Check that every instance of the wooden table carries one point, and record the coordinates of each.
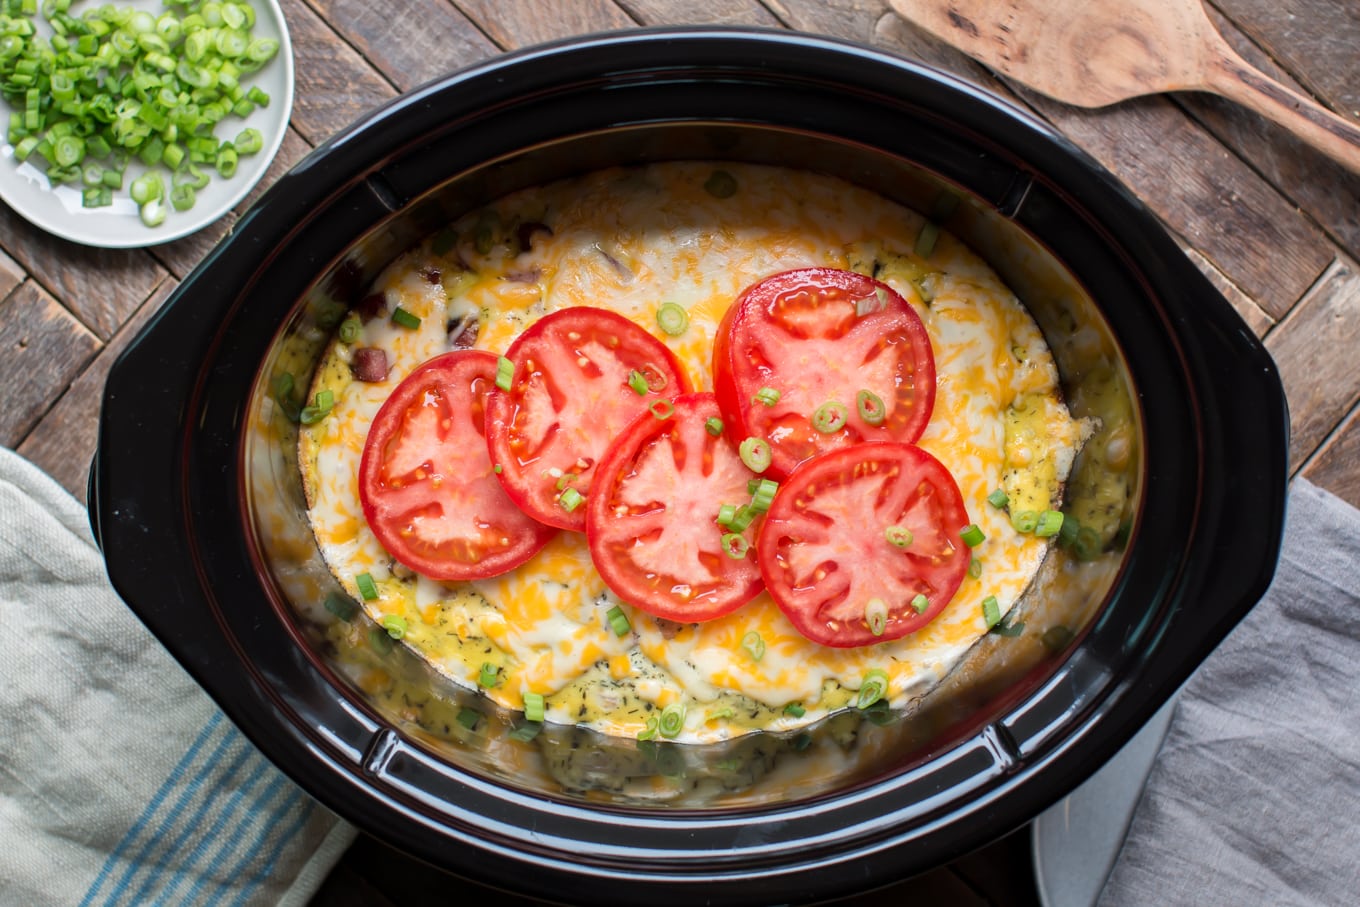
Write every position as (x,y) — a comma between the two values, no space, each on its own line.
(1274,225)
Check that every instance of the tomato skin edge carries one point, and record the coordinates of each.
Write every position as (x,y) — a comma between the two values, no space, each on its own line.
(792,487)
(386,421)
(499,406)
(752,304)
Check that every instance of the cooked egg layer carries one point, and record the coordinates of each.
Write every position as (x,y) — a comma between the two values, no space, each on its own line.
(630,240)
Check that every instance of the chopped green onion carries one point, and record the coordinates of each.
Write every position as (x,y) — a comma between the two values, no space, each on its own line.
(672,720)
(319,409)
(991,611)
(342,606)
(763,495)
(637,382)
(745,515)
(367,588)
(182,197)
(919,603)
(872,688)
(926,239)
(972,536)
(1011,629)
(350,328)
(756,454)
(1067,532)
(795,710)
(870,407)
(1088,544)
(394,624)
(527,731)
(405,319)
(490,675)
(618,621)
(735,546)
(1050,523)
(535,706)
(505,373)
(998,498)
(249,141)
(662,409)
(830,416)
(900,536)
(152,213)
(754,645)
(876,615)
(570,499)
(726,514)
(975,568)
(496,469)
(721,184)
(714,426)
(1025,520)
(719,714)
(567,479)
(672,318)
(1057,638)
(468,718)
(650,731)
(379,641)
(766,395)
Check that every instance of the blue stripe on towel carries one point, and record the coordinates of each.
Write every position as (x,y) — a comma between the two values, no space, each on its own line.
(233,846)
(193,867)
(208,768)
(170,856)
(262,872)
(168,785)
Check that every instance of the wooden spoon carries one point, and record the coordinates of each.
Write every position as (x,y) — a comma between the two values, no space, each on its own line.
(1096,52)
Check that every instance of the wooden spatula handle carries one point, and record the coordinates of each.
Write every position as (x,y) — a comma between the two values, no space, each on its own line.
(1235,78)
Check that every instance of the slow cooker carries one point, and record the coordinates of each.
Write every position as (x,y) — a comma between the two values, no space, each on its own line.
(199,512)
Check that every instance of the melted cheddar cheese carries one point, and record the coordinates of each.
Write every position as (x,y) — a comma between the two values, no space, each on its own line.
(630,240)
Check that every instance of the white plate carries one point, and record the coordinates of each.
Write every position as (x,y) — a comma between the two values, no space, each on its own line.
(1076,841)
(25,188)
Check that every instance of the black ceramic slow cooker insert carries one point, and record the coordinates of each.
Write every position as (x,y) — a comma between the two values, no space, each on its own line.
(199,510)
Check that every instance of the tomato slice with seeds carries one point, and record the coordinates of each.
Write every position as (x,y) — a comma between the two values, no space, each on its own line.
(570,395)
(426,481)
(825,554)
(819,337)
(652,514)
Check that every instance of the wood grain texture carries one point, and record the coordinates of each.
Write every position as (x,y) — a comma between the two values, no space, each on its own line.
(854,20)
(1251,313)
(1204,192)
(526,22)
(699,12)
(429,38)
(1315,40)
(42,349)
(11,275)
(63,442)
(1314,349)
(1334,467)
(101,287)
(1325,190)
(334,84)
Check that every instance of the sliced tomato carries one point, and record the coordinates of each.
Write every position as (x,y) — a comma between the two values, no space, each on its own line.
(825,554)
(652,516)
(569,397)
(820,336)
(426,482)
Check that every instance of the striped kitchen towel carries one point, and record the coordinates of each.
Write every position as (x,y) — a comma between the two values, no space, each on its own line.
(120,782)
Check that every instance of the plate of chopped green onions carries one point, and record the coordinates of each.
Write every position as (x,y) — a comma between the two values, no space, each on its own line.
(138,122)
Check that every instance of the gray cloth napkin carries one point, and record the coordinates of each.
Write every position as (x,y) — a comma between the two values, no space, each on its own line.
(120,781)
(1255,794)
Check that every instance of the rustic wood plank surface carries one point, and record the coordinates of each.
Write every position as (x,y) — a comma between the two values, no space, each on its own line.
(1274,225)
